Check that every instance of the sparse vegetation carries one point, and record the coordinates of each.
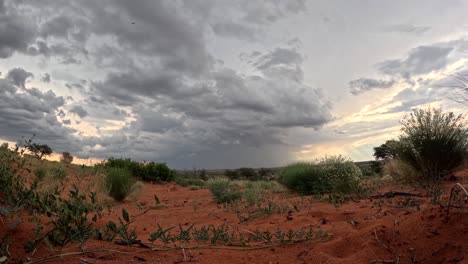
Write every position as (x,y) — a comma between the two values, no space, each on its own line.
(118,183)
(224,190)
(151,171)
(330,174)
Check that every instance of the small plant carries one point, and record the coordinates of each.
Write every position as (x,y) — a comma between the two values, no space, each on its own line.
(224,191)
(118,183)
(40,173)
(58,172)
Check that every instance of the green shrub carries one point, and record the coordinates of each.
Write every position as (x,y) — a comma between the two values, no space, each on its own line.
(342,174)
(232,174)
(224,190)
(433,142)
(304,178)
(145,171)
(248,173)
(331,174)
(118,183)
(157,172)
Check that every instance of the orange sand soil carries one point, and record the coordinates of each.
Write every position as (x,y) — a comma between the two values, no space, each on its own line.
(362,232)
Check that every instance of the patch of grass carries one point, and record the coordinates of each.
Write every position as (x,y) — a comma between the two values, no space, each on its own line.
(186,181)
(40,173)
(400,171)
(58,172)
(224,190)
(118,183)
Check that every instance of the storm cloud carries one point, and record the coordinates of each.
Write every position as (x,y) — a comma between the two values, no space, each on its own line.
(214,84)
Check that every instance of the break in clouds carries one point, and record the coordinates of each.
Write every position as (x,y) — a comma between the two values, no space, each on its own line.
(214,84)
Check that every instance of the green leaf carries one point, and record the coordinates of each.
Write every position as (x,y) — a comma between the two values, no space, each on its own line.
(125,215)
(156,199)
(3,259)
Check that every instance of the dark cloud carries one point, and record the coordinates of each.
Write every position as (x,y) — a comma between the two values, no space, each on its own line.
(16,32)
(362,85)
(58,26)
(157,85)
(28,111)
(155,122)
(235,30)
(79,111)
(266,12)
(407,29)
(18,76)
(422,59)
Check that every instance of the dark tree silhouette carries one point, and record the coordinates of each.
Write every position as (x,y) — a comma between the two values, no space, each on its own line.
(39,150)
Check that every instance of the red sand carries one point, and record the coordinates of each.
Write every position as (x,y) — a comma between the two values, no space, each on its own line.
(362,233)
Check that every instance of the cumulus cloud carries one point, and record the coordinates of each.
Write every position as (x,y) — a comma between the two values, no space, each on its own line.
(422,59)
(18,76)
(79,111)
(28,111)
(17,33)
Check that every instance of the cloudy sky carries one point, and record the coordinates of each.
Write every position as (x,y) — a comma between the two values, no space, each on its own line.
(224,84)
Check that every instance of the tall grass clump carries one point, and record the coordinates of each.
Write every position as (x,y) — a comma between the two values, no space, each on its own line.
(433,142)
(330,174)
(224,190)
(118,183)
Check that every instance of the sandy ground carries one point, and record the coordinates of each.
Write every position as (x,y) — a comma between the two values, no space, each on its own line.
(362,232)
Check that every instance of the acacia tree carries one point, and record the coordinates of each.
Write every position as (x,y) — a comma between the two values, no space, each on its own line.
(39,150)
(388,150)
(66,158)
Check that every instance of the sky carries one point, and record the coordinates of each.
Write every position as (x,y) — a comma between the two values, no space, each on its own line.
(224,84)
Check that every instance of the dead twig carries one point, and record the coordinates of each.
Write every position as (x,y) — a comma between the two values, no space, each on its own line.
(393,194)
(457,187)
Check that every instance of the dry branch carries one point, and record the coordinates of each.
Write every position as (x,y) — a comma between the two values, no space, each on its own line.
(393,194)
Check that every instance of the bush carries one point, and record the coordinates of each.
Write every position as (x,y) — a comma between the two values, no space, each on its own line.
(232,174)
(118,183)
(331,174)
(248,173)
(224,191)
(145,171)
(433,142)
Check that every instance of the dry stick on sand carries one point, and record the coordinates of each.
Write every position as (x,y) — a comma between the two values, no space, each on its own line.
(393,194)
(147,250)
(461,189)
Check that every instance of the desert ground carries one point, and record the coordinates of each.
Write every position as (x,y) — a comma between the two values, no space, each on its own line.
(399,229)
